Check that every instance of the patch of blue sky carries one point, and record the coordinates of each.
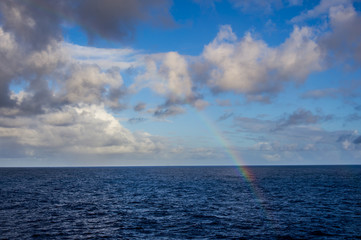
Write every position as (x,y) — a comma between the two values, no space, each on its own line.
(18,86)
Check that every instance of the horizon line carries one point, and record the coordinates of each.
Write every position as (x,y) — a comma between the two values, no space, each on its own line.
(125,166)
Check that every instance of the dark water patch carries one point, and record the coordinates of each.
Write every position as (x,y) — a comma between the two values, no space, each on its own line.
(318,202)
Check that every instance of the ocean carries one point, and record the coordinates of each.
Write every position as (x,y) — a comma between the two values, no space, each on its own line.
(278,202)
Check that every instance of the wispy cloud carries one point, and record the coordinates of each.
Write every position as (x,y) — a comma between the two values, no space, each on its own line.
(225,116)
(140,107)
(136,120)
(302,117)
(163,112)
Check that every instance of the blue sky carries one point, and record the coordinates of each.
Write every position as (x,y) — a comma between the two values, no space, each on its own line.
(196,82)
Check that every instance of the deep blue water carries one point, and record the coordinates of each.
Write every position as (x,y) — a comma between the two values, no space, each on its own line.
(308,202)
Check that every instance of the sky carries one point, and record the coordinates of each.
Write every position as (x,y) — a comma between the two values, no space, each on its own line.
(182,82)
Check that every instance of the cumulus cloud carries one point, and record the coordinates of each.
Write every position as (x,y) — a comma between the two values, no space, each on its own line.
(55,74)
(82,129)
(38,21)
(343,43)
(54,95)
(167,74)
(30,24)
(114,19)
(249,66)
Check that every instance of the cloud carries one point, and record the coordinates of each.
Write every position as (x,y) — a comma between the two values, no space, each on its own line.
(321,93)
(321,9)
(140,107)
(357,140)
(250,67)
(39,21)
(88,84)
(167,75)
(225,116)
(54,95)
(343,43)
(348,90)
(224,102)
(302,135)
(52,78)
(253,125)
(115,20)
(353,117)
(266,6)
(123,58)
(163,112)
(136,120)
(349,140)
(302,117)
(83,129)
(30,24)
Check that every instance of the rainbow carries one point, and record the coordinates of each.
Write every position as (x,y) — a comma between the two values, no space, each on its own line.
(244,171)
(235,157)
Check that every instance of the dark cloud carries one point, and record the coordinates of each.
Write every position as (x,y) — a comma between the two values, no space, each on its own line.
(353,117)
(343,43)
(116,19)
(31,53)
(163,112)
(302,117)
(347,139)
(136,120)
(357,140)
(140,107)
(225,116)
(37,22)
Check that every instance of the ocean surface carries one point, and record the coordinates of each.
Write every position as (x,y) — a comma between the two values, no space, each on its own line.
(293,202)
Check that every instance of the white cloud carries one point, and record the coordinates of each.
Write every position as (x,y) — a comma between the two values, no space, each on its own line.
(123,58)
(322,8)
(251,67)
(84,129)
(88,84)
(167,74)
